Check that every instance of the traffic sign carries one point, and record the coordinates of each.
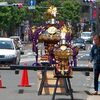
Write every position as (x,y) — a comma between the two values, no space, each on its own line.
(32,4)
(89,0)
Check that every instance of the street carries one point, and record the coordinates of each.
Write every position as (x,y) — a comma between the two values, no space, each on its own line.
(50,40)
(81,84)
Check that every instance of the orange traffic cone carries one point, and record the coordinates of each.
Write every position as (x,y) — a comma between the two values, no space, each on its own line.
(24,81)
(1,83)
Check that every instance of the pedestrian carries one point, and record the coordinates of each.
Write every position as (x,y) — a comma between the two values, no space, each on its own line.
(95,57)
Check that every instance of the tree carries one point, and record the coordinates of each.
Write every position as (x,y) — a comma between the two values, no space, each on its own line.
(5,17)
(11,17)
(17,16)
(70,11)
(67,9)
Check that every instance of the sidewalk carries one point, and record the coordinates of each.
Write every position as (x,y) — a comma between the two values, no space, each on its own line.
(93,97)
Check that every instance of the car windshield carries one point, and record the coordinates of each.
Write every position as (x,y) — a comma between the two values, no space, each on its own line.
(86,34)
(6,45)
(79,41)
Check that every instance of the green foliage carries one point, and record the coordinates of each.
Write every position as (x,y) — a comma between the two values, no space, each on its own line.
(2,0)
(67,9)
(17,16)
(98,0)
(70,10)
(11,17)
(39,12)
(5,17)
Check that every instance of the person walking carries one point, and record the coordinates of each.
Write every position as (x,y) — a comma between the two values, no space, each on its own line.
(95,57)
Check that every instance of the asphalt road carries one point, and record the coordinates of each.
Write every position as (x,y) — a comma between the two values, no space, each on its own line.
(80,83)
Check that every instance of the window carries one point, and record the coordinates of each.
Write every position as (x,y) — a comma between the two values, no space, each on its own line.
(6,45)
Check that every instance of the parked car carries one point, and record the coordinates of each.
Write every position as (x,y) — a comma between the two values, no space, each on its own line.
(80,43)
(18,43)
(87,36)
(9,53)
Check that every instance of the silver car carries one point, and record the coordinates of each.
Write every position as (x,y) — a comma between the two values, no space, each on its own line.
(80,43)
(87,36)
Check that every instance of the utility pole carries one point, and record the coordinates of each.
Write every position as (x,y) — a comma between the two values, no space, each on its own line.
(98,18)
(92,14)
(91,19)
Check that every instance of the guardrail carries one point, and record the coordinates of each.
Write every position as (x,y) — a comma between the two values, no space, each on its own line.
(35,68)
